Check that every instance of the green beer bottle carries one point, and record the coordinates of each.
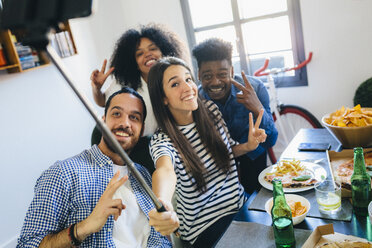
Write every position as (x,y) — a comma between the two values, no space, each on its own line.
(282,218)
(360,184)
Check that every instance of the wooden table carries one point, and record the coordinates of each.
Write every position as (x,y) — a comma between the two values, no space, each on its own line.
(358,226)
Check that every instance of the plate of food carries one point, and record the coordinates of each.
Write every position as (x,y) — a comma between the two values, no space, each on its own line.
(296,175)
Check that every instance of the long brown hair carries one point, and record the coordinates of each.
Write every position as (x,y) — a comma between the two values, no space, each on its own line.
(203,118)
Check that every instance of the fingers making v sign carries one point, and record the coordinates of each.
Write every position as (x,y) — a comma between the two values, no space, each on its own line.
(106,206)
(98,78)
(256,135)
(247,96)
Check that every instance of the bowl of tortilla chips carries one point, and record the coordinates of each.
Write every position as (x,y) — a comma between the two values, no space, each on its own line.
(299,205)
(351,126)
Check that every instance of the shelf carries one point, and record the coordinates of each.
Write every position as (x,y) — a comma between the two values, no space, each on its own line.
(36,67)
(13,59)
(14,65)
(5,67)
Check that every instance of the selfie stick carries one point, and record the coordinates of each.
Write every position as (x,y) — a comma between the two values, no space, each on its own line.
(104,129)
(17,15)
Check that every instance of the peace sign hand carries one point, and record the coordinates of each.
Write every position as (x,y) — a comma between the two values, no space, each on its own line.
(106,206)
(256,135)
(247,96)
(98,78)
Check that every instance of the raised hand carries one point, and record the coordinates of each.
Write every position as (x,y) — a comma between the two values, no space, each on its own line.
(247,96)
(256,135)
(164,222)
(98,78)
(105,207)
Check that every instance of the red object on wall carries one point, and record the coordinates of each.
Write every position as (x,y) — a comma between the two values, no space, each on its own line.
(2,57)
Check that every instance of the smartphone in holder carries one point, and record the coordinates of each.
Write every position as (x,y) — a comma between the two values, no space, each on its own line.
(314,146)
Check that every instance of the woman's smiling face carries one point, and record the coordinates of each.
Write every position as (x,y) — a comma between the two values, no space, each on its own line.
(147,53)
(180,91)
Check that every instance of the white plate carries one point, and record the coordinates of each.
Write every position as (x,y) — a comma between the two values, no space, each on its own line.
(319,173)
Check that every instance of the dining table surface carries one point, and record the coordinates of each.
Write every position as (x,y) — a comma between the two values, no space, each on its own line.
(356,225)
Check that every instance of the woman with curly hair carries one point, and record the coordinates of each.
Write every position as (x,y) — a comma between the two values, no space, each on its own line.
(194,156)
(135,52)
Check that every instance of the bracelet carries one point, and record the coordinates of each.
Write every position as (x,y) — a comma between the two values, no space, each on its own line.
(71,234)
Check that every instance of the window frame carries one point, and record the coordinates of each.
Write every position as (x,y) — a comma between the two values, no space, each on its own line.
(298,50)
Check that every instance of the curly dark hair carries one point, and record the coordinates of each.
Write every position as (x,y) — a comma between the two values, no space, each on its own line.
(211,50)
(123,58)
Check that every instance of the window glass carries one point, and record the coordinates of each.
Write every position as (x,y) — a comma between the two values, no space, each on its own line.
(225,33)
(254,8)
(267,30)
(236,64)
(210,12)
(268,35)
(277,60)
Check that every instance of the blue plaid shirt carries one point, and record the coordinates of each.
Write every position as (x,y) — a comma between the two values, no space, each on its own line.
(236,115)
(67,193)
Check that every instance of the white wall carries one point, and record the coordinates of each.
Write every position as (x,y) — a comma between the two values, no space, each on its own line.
(339,33)
(161,11)
(108,23)
(41,120)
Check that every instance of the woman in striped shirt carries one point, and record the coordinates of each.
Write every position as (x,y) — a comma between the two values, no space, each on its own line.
(194,156)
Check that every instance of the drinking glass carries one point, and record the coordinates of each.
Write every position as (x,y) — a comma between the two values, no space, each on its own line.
(328,196)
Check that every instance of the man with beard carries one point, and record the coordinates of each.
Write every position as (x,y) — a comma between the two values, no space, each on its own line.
(236,97)
(88,201)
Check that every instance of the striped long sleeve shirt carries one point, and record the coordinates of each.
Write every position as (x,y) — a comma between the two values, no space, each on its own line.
(195,210)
